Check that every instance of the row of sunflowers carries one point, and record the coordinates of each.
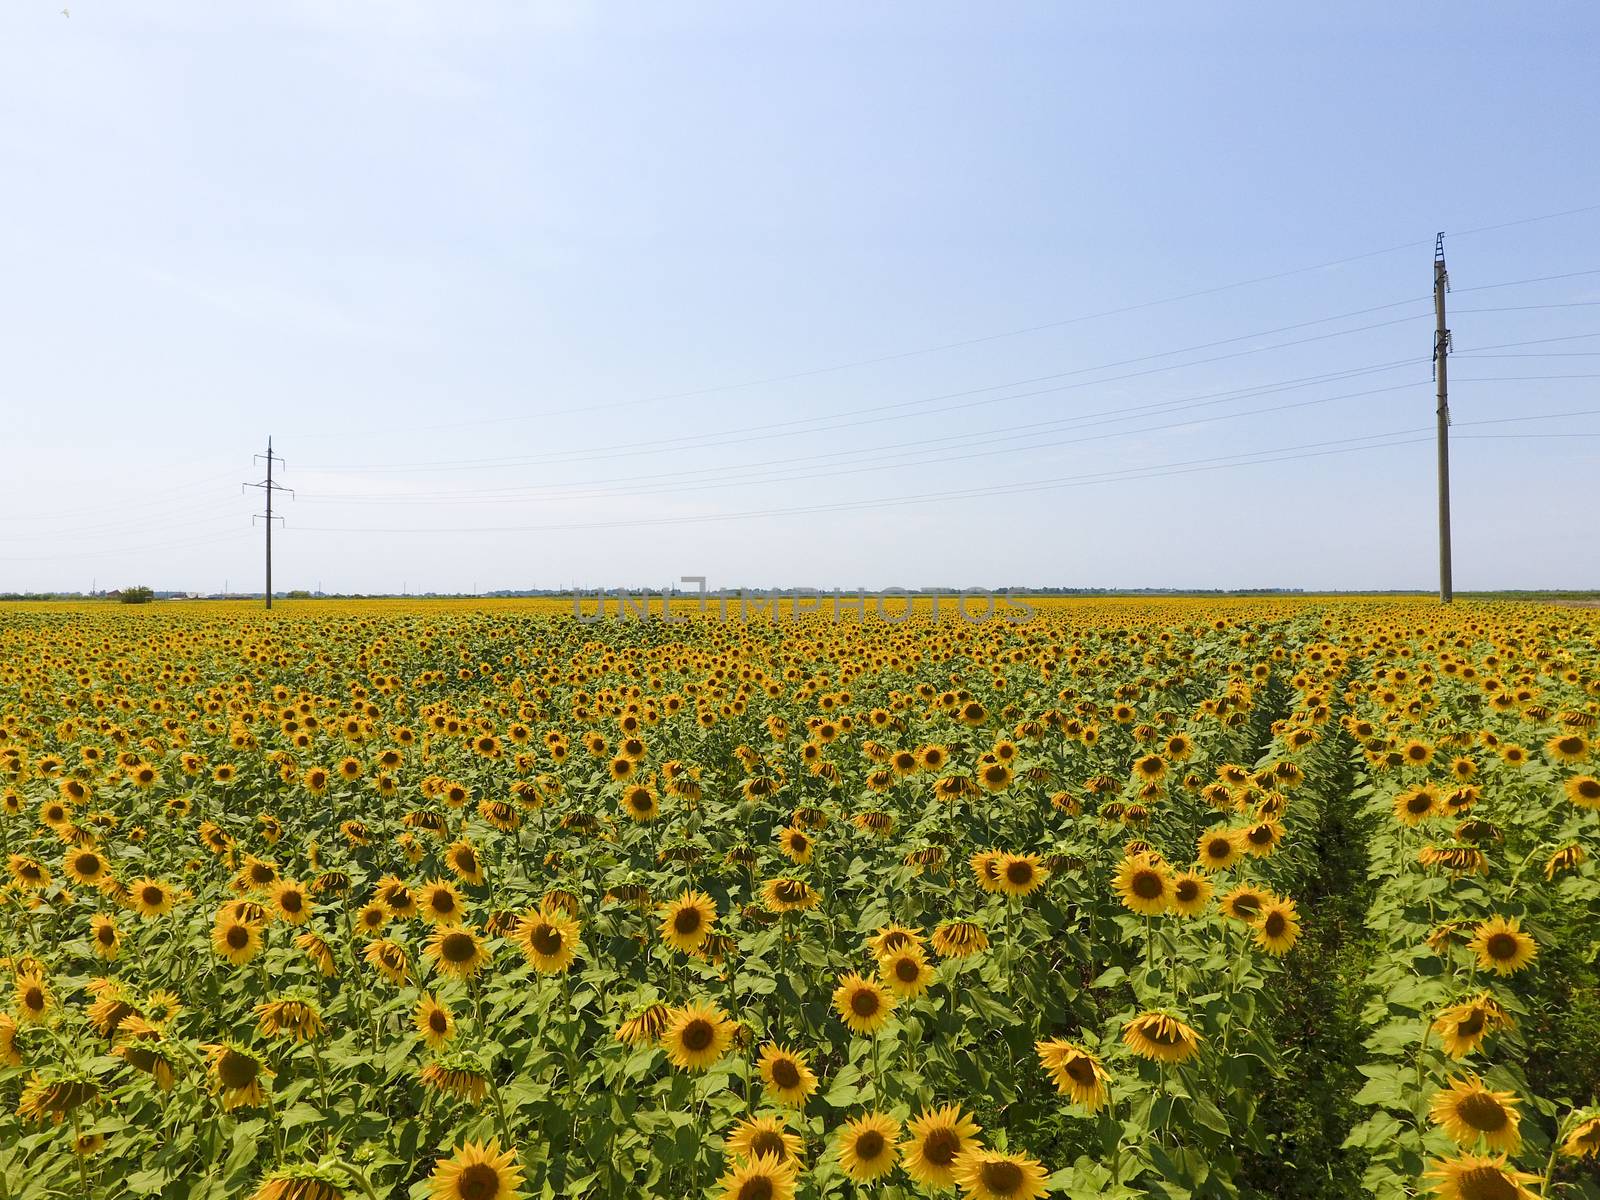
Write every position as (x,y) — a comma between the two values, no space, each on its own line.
(485,903)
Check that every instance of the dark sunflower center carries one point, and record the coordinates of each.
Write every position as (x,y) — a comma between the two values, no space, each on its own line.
(1019,873)
(1001,1178)
(466,862)
(1485,1183)
(1501,946)
(870,1145)
(940,1147)
(291,902)
(864,1003)
(1080,1070)
(1419,804)
(1246,904)
(547,940)
(480,1181)
(906,970)
(1146,885)
(1219,848)
(236,1070)
(87,864)
(107,935)
(238,937)
(1186,890)
(768,1142)
(1471,1025)
(686,921)
(458,947)
(438,1021)
(698,1035)
(1482,1111)
(33,998)
(1275,924)
(757,1187)
(785,1073)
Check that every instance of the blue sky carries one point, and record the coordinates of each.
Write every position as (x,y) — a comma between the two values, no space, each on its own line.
(560,293)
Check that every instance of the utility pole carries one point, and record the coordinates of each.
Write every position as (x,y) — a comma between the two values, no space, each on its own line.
(1441,353)
(269,487)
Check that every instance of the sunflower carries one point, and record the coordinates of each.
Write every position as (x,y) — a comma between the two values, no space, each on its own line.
(1462,1027)
(302,1181)
(30,875)
(235,940)
(396,895)
(959,939)
(435,1023)
(548,939)
(463,861)
(1568,858)
(1479,1177)
(862,1004)
(763,1177)
(1245,903)
(990,1175)
(1261,839)
(985,866)
(457,951)
(87,866)
(869,1146)
(645,1026)
(1277,926)
(104,937)
(477,1172)
(906,972)
(295,1016)
(1583,1141)
(440,903)
(55,1096)
(388,959)
(795,844)
(1502,947)
(1019,874)
(1161,1038)
(10,1056)
(456,1076)
(152,897)
(1143,884)
(372,918)
(1567,747)
(34,999)
(1468,1111)
(291,902)
(236,1075)
(640,803)
(890,938)
(1077,1072)
(788,895)
(1416,805)
(697,1035)
(1191,892)
(318,951)
(1584,791)
(935,1139)
(764,1137)
(686,922)
(787,1077)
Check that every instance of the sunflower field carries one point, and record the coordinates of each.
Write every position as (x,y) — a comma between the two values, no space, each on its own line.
(1134,898)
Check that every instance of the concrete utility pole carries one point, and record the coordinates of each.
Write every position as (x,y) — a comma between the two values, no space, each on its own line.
(269,487)
(1441,376)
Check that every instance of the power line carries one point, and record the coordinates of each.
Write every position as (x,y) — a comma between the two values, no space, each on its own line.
(1004,334)
(674,442)
(1013,432)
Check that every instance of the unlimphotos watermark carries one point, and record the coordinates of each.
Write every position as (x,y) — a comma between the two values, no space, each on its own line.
(894,605)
